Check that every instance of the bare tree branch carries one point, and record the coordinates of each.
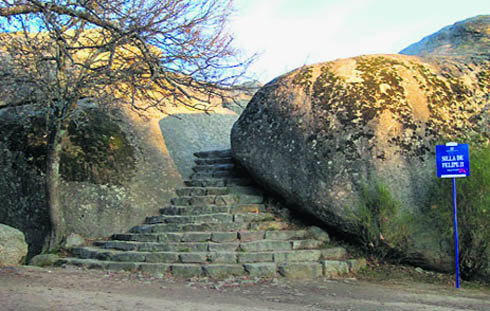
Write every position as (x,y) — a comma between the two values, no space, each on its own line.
(147,54)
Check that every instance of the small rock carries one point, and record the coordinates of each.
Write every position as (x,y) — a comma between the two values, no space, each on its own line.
(319,234)
(158,275)
(44,260)
(73,240)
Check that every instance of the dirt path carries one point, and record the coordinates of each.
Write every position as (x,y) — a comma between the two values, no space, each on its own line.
(70,288)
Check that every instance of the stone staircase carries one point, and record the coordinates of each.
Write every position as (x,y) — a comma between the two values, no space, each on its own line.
(218,226)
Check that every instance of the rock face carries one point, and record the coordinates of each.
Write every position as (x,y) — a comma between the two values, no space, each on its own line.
(187,133)
(13,247)
(470,37)
(117,167)
(333,137)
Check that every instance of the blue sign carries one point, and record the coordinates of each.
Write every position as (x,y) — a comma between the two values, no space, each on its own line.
(453,160)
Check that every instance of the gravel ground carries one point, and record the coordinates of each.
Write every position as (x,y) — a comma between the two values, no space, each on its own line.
(72,288)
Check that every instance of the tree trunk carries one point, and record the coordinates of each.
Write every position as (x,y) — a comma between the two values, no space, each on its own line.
(53,181)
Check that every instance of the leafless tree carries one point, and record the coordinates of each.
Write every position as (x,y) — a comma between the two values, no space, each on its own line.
(144,53)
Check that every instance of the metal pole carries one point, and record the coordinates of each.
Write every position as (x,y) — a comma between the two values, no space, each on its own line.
(456,232)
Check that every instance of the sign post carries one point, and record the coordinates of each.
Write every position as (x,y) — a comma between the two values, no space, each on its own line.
(455,213)
(453,161)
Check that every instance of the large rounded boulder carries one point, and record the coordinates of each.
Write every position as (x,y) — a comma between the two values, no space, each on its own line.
(351,142)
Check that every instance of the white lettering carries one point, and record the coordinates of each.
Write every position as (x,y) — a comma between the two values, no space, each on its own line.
(450,158)
(452,164)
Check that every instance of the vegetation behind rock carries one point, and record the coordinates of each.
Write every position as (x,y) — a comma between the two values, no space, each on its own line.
(473,201)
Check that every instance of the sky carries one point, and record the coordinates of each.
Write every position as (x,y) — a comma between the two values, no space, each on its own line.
(292,33)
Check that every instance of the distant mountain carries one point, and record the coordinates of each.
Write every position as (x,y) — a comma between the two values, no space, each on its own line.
(470,37)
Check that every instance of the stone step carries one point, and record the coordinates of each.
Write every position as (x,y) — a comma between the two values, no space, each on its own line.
(292,256)
(211,168)
(183,247)
(248,190)
(223,200)
(209,218)
(216,174)
(211,209)
(218,182)
(309,270)
(205,227)
(211,161)
(161,228)
(214,154)
(209,257)
(202,191)
(218,237)
(194,219)
(253,246)
(178,270)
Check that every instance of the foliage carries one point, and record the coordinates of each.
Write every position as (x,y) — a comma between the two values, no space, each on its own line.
(164,52)
(26,137)
(381,227)
(473,209)
(97,150)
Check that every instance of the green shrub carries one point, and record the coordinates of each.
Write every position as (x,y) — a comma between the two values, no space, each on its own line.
(383,229)
(473,208)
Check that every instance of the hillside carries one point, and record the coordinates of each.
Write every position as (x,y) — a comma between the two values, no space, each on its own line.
(470,37)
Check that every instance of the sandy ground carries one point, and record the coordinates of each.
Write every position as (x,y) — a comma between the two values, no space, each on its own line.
(71,288)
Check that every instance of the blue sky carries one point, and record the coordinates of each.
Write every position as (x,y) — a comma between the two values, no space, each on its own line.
(291,33)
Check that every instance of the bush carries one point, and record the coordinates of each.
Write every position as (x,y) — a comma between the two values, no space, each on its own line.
(473,207)
(382,228)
